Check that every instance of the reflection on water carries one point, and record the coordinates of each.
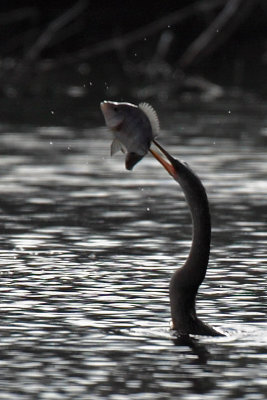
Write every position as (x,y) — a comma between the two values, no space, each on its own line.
(87,250)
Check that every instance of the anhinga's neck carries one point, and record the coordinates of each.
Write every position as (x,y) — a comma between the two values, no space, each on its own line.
(187,279)
(196,197)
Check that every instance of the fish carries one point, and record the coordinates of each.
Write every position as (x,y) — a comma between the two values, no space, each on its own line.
(133,127)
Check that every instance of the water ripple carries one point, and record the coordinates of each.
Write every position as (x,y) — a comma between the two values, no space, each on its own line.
(87,251)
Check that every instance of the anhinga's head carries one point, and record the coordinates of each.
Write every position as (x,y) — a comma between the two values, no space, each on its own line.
(172,167)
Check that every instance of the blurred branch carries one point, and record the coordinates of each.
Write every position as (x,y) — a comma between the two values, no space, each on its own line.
(49,33)
(232,15)
(120,42)
(163,46)
(74,28)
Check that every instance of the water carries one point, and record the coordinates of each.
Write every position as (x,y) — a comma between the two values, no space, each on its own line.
(87,250)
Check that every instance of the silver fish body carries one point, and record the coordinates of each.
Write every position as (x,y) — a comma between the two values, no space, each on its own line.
(133,128)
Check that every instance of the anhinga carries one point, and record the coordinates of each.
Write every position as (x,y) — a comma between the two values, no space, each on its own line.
(187,279)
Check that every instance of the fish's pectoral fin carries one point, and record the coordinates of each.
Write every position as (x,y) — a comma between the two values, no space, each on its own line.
(123,148)
(115,147)
(152,116)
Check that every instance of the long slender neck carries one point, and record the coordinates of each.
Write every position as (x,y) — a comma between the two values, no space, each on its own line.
(196,197)
(187,279)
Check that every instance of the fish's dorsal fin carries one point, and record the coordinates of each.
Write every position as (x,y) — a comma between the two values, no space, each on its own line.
(152,116)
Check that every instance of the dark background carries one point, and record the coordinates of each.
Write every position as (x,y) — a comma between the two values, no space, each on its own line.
(87,50)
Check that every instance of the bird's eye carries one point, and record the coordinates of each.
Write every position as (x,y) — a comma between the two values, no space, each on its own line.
(115,108)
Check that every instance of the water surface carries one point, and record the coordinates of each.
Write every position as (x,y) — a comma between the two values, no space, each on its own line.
(88,248)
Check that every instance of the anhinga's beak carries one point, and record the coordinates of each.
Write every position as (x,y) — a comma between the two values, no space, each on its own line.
(170,168)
